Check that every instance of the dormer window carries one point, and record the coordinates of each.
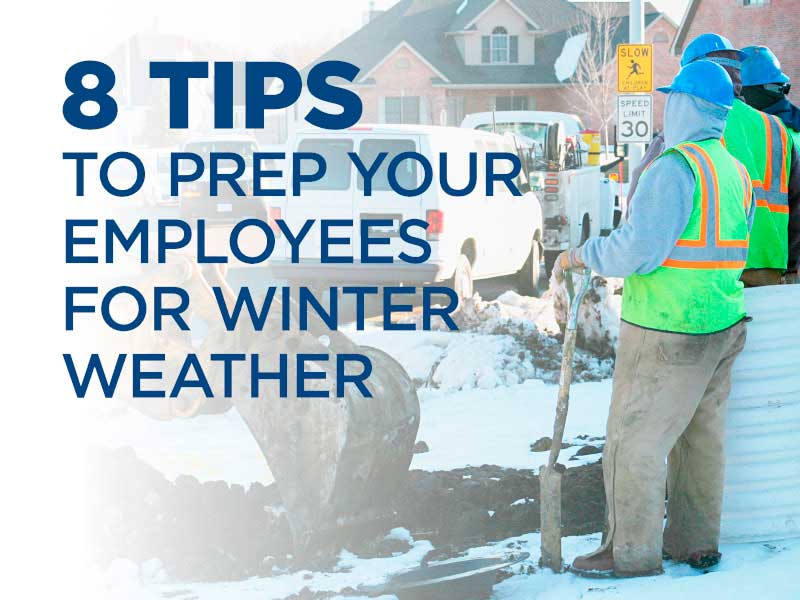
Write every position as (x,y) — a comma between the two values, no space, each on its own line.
(500,47)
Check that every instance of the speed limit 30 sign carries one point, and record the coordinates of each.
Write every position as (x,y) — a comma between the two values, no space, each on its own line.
(634,118)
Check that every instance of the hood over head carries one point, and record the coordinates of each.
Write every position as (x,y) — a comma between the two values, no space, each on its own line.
(688,118)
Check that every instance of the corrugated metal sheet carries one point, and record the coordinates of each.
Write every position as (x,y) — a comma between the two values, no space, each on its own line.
(762,479)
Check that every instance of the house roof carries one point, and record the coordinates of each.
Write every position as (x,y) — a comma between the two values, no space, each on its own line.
(548,15)
(683,28)
(424,25)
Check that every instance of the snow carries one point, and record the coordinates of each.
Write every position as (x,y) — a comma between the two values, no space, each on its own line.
(462,428)
(567,61)
(462,6)
(469,429)
(480,404)
(747,571)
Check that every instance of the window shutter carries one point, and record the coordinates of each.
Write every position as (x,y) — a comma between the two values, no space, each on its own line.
(513,49)
(485,49)
(381,109)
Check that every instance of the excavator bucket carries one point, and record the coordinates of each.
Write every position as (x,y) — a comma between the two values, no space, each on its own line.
(337,462)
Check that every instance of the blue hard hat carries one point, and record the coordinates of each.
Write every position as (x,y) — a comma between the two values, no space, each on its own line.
(706,80)
(761,66)
(705,44)
(748,51)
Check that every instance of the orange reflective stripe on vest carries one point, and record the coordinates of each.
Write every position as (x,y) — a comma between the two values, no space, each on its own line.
(774,192)
(710,250)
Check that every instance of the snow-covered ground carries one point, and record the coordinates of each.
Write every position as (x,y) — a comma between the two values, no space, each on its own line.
(481,404)
(462,428)
(747,571)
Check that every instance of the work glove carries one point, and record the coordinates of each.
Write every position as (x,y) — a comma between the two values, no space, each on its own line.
(568,259)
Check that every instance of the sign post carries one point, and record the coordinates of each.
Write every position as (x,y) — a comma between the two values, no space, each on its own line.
(636,38)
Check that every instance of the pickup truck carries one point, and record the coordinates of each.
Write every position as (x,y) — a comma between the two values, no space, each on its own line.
(578,200)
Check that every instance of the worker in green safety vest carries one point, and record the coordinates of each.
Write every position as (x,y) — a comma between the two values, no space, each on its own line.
(764,87)
(757,140)
(682,252)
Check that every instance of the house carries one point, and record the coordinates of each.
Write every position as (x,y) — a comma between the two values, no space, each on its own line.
(772,23)
(433,61)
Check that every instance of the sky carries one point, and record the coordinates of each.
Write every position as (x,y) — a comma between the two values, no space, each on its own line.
(266,22)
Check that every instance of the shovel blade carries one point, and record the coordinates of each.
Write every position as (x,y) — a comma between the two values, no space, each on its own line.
(550,516)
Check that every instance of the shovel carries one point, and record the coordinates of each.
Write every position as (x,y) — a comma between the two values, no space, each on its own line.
(550,474)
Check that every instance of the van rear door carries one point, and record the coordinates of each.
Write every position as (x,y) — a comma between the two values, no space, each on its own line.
(384,203)
(328,198)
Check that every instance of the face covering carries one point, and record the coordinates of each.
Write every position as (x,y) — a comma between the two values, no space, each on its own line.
(759,97)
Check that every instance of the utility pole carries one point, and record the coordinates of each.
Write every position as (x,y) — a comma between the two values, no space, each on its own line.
(635,36)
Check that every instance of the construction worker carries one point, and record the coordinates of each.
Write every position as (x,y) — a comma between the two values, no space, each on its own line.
(764,87)
(755,139)
(681,252)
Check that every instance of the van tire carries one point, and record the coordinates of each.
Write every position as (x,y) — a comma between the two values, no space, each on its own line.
(461,281)
(550,257)
(528,275)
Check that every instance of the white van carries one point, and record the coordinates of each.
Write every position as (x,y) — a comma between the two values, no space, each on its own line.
(471,237)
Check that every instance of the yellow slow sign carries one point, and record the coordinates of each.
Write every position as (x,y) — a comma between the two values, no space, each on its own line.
(634,68)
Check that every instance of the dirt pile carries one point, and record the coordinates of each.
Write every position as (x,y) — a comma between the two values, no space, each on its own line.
(214,531)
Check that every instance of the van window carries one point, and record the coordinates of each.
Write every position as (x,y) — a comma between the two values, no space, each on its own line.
(406,171)
(334,152)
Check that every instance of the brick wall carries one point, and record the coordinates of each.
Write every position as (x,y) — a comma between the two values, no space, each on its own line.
(403,73)
(775,24)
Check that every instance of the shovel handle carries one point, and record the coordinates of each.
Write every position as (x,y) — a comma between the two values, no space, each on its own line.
(565,378)
(575,299)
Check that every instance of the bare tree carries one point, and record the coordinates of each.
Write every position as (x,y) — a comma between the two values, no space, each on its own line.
(593,86)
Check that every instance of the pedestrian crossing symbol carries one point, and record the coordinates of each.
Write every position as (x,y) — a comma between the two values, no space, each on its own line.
(634,68)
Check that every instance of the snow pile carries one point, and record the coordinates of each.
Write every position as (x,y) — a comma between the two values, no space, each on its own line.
(524,316)
(510,312)
(567,61)
(453,362)
(506,341)
(598,318)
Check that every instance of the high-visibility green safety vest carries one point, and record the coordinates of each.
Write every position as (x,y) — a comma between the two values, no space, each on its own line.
(697,288)
(761,143)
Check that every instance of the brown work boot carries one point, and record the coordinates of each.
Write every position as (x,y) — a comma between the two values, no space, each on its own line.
(596,564)
(704,559)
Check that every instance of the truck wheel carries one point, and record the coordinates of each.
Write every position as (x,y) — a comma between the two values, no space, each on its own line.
(528,275)
(462,282)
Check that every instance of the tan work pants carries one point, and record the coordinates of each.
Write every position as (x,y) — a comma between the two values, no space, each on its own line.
(669,399)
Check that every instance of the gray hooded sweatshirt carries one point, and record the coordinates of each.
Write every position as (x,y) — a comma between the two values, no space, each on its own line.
(662,203)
